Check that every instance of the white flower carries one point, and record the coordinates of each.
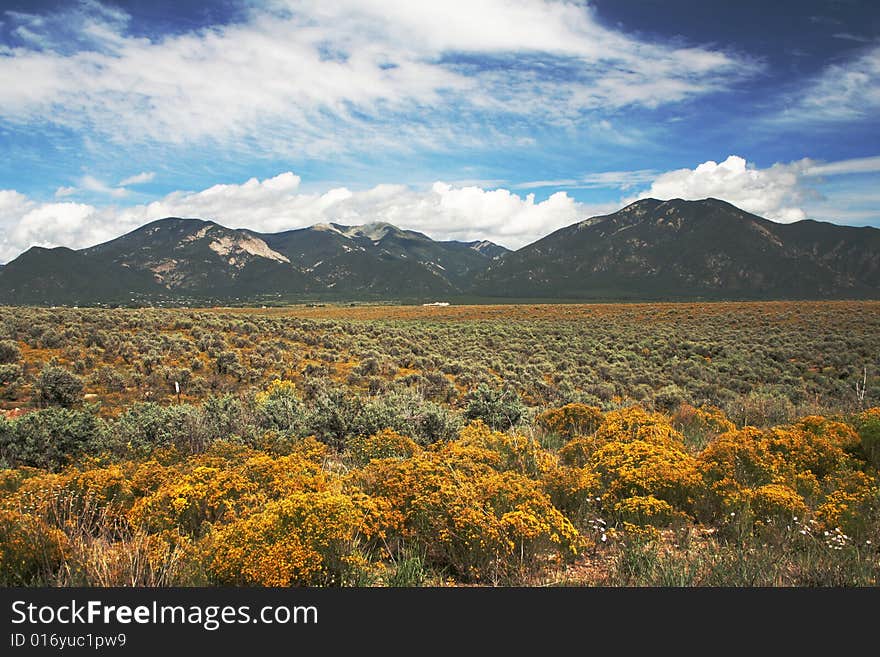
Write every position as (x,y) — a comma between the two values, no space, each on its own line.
(604,538)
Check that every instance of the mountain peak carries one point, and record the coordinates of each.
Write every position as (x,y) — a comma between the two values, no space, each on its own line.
(375,231)
(680,248)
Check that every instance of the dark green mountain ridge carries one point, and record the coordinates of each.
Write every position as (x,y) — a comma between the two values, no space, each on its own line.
(651,249)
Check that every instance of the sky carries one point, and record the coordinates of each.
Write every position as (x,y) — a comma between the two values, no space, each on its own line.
(463,119)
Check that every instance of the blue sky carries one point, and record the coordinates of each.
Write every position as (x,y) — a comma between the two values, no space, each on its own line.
(503,119)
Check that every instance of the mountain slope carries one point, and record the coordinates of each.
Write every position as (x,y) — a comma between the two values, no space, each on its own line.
(380,259)
(62,276)
(203,258)
(690,249)
(175,259)
(648,250)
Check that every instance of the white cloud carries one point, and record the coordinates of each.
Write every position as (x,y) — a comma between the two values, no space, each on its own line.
(784,192)
(841,92)
(61,192)
(442,211)
(623,180)
(312,77)
(92,184)
(26,223)
(855,165)
(138,179)
(620,179)
(538,184)
(775,193)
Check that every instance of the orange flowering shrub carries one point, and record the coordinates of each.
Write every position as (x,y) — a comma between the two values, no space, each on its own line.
(645,469)
(837,433)
(203,495)
(852,503)
(518,453)
(480,522)
(574,491)
(305,539)
(385,444)
(645,511)
(570,420)
(622,425)
(776,502)
(29,547)
(700,424)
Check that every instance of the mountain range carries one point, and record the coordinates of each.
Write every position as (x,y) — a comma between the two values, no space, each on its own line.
(650,249)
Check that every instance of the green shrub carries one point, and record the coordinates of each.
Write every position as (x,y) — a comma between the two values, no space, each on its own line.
(56,386)
(51,438)
(498,408)
(9,352)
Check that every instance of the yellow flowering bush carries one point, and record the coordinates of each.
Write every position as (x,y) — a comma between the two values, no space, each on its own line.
(737,460)
(518,453)
(868,425)
(701,424)
(782,471)
(276,389)
(300,470)
(852,503)
(29,547)
(305,539)
(646,511)
(106,487)
(203,495)
(487,507)
(835,432)
(777,502)
(646,469)
(621,426)
(574,491)
(481,523)
(385,444)
(570,420)
(794,450)
(635,423)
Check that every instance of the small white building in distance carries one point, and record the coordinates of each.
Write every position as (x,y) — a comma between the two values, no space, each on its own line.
(437,303)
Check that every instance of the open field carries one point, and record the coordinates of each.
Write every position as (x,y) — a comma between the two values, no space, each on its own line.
(603,444)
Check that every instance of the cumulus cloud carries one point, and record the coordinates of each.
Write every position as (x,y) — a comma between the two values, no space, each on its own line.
(776,192)
(27,223)
(442,211)
(310,77)
(784,192)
